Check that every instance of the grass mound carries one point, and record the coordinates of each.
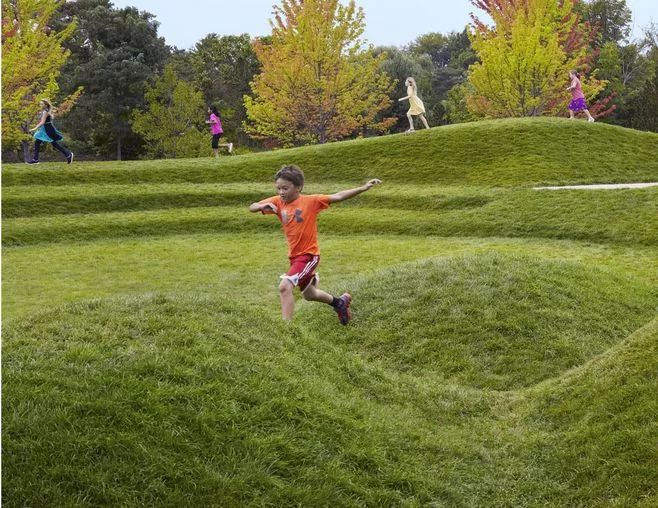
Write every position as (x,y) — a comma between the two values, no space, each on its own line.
(621,217)
(181,401)
(494,321)
(600,421)
(523,151)
(466,378)
(175,401)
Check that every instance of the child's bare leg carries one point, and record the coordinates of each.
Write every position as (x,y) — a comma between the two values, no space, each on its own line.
(287,299)
(590,118)
(315,294)
(341,304)
(411,122)
(571,117)
(424,120)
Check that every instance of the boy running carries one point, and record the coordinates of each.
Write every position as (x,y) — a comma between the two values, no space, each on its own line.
(298,216)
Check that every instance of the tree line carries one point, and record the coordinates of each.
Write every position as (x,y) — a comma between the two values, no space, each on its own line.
(123,93)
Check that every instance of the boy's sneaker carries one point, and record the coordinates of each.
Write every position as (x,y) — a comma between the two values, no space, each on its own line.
(230,147)
(69,158)
(343,308)
(32,161)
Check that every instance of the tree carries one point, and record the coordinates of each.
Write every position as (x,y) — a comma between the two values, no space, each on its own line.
(645,106)
(32,56)
(525,58)
(399,64)
(639,109)
(451,56)
(317,82)
(114,52)
(224,67)
(612,19)
(172,125)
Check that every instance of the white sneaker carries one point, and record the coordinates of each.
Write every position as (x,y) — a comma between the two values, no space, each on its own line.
(230,147)
(590,119)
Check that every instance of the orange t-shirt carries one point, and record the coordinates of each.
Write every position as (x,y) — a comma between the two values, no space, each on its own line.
(299,221)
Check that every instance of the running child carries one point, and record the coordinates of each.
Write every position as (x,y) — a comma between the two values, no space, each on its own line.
(45,132)
(577,97)
(416,106)
(217,131)
(298,216)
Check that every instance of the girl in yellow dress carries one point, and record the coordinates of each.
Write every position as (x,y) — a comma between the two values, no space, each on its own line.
(416,107)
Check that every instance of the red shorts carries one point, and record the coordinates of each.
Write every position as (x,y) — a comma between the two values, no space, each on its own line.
(302,270)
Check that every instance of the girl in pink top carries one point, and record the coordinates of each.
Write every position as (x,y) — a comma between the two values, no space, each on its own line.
(577,97)
(217,131)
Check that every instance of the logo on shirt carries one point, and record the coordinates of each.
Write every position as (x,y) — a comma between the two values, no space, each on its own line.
(297,217)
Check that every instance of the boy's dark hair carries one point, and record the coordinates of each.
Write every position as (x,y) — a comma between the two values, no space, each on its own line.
(292,173)
(214,110)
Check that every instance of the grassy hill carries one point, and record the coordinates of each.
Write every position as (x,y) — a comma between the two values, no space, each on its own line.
(503,350)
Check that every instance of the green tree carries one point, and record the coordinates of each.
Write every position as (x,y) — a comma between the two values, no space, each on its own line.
(524,60)
(451,56)
(644,106)
(612,19)
(224,67)
(172,125)
(399,64)
(32,57)
(639,109)
(113,54)
(317,82)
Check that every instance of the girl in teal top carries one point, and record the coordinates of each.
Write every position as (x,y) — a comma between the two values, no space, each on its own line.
(45,132)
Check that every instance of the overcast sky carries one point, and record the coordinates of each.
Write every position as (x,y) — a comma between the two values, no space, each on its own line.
(388,22)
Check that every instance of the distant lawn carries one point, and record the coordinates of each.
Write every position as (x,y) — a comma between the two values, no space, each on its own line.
(539,151)
(503,350)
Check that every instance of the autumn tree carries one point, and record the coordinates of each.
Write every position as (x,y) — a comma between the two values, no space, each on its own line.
(317,83)
(525,57)
(172,125)
(32,56)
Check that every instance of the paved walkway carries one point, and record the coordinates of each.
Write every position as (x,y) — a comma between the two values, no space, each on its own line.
(602,186)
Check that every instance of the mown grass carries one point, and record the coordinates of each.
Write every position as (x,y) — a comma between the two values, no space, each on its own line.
(621,217)
(502,352)
(496,153)
(492,321)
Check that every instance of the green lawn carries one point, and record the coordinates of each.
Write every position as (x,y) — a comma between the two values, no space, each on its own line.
(503,351)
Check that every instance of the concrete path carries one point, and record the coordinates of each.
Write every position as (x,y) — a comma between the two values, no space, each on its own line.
(602,186)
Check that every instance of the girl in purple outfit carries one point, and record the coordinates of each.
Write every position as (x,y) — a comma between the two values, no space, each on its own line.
(216,130)
(577,97)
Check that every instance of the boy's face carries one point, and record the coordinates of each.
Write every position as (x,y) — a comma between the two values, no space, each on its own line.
(287,190)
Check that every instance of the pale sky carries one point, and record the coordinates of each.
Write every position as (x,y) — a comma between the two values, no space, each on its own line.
(388,22)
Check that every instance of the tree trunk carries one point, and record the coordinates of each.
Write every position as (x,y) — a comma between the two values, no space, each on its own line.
(26,151)
(119,148)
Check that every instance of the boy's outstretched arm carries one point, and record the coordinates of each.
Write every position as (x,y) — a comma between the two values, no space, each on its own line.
(265,208)
(350,193)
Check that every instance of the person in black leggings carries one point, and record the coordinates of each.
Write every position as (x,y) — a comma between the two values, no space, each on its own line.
(45,132)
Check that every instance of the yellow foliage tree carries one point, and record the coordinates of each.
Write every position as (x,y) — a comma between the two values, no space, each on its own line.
(524,59)
(32,56)
(317,82)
